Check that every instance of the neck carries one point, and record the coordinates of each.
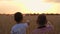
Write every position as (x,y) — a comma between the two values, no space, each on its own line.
(18,22)
(42,26)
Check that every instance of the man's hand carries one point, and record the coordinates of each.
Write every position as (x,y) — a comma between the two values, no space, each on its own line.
(28,21)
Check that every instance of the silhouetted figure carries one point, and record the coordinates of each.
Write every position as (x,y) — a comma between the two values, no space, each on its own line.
(20,27)
(43,26)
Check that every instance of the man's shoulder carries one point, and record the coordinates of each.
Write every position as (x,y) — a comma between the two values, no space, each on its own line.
(14,26)
(20,25)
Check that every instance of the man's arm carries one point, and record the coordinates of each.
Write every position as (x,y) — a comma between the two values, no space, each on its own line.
(28,22)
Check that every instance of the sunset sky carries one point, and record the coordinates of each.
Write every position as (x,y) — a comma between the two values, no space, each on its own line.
(29,6)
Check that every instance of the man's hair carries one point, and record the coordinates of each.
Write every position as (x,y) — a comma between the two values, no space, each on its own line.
(18,17)
(42,19)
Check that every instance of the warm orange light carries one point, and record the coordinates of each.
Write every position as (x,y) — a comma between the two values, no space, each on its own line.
(28,6)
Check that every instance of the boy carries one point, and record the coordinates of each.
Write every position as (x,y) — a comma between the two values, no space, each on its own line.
(20,27)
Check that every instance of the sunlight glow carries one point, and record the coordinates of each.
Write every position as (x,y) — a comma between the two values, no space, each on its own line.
(28,6)
(35,6)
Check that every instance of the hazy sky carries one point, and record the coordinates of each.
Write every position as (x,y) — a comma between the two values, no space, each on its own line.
(29,6)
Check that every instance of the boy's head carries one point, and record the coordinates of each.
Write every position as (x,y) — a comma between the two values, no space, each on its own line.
(18,17)
(42,20)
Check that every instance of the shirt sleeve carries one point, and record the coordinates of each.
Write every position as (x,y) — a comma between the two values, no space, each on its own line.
(26,24)
(13,31)
(51,28)
(49,24)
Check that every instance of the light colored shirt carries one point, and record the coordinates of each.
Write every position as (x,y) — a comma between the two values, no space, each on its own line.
(19,28)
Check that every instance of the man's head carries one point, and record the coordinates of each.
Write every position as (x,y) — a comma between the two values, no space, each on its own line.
(18,17)
(42,20)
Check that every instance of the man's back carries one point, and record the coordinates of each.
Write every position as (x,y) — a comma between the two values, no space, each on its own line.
(19,28)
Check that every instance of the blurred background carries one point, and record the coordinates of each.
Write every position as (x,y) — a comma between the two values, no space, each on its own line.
(30,10)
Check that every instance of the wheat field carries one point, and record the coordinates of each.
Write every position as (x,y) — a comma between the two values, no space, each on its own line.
(7,21)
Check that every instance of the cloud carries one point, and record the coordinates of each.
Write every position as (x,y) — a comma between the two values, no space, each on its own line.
(57,1)
(6,0)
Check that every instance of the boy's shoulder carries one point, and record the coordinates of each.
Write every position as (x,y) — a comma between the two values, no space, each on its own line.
(14,26)
(20,25)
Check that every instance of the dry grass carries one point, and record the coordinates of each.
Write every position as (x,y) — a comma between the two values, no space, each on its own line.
(7,21)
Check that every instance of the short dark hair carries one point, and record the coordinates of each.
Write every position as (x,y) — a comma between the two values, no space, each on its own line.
(42,19)
(18,17)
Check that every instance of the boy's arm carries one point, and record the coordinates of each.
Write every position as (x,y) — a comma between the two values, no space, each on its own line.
(12,31)
(28,22)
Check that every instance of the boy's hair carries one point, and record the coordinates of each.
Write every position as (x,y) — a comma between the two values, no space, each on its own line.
(42,20)
(18,17)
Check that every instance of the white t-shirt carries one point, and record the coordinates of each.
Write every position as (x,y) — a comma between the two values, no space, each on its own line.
(19,28)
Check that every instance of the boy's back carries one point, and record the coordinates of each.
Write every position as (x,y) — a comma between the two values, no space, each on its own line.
(19,28)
